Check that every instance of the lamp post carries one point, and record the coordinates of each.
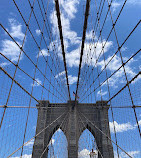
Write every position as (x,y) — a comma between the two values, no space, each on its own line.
(93,154)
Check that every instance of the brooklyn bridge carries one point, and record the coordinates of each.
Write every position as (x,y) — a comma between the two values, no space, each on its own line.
(70,79)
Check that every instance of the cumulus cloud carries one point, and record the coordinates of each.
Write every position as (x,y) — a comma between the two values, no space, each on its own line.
(90,53)
(16,29)
(102,93)
(37,83)
(123,127)
(69,7)
(71,37)
(136,79)
(30,144)
(10,50)
(43,52)
(139,122)
(68,11)
(38,32)
(115,5)
(24,156)
(85,153)
(123,49)
(91,35)
(72,79)
(74,56)
(68,35)
(8,47)
(60,74)
(114,64)
(4,64)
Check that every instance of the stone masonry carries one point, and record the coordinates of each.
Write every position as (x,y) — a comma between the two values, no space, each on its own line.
(73,118)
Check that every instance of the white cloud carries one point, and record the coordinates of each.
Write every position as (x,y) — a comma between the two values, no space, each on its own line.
(139,123)
(68,35)
(60,74)
(73,58)
(38,32)
(115,5)
(8,47)
(121,127)
(123,49)
(71,37)
(30,144)
(102,93)
(69,7)
(24,156)
(136,79)
(85,153)
(72,79)
(37,83)
(4,64)
(10,50)
(16,29)
(114,64)
(43,52)
(90,35)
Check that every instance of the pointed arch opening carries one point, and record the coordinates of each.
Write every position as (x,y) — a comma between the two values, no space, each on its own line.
(58,145)
(87,145)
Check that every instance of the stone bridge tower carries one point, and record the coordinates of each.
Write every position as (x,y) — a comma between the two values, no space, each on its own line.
(73,118)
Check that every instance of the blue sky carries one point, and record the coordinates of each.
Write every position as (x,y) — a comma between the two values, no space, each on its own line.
(72,18)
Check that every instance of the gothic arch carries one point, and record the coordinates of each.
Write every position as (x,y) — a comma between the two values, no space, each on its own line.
(58,145)
(70,119)
(86,143)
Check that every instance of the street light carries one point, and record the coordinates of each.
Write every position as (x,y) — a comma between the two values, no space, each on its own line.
(93,154)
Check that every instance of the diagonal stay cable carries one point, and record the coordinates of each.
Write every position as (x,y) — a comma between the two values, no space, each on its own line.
(136,76)
(20,86)
(31,76)
(58,128)
(84,126)
(104,134)
(37,134)
(125,73)
(109,37)
(33,35)
(83,41)
(25,53)
(132,31)
(62,42)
